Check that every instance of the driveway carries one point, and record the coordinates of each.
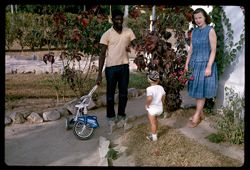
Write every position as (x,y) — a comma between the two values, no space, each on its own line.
(49,144)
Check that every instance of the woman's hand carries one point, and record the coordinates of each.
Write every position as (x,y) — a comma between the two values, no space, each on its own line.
(208,71)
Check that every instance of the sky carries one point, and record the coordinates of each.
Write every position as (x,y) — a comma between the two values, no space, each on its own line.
(207,8)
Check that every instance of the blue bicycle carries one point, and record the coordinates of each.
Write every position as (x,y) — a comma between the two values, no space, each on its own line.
(83,124)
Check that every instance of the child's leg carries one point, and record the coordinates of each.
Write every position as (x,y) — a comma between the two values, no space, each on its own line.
(153,123)
(153,126)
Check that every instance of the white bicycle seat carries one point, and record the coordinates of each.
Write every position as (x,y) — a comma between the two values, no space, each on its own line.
(81,105)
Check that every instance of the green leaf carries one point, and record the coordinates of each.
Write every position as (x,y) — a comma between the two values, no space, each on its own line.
(111,154)
(234,50)
(241,42)
(239,48)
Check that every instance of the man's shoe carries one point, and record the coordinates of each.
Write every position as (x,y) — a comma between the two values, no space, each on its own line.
(121,121)
(120,124)
(111,124)
(121,118)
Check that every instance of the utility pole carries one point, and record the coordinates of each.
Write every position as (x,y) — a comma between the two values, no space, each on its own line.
(152,19)
(110,14)
(16,8)
(126,11)
(125,15)
(151,28)
(12,9)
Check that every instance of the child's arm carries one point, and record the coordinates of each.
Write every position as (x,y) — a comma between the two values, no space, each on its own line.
(148,101)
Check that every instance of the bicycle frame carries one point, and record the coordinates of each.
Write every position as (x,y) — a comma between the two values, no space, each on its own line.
(82,110)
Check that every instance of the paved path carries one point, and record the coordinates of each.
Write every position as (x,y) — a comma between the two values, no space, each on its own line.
(50,144)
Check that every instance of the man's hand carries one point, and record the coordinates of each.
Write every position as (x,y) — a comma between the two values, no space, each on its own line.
(99,80)
(128,49)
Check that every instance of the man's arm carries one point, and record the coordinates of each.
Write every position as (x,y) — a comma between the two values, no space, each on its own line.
(132,43)
(101,63)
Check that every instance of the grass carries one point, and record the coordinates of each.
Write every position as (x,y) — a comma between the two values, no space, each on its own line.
(172,149)
(23,86)
(215,137)
(32,92)
(138,80)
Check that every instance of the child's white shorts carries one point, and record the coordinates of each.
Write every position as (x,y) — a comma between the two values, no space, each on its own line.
(155,110)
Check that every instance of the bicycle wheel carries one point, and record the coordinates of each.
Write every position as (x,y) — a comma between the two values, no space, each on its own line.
(69,123)
(82,131)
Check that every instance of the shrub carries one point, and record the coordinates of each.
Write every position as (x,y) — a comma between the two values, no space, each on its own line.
(215,137)
(230,123)
(111,154)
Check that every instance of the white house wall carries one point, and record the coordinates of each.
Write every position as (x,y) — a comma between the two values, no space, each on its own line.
(234,75)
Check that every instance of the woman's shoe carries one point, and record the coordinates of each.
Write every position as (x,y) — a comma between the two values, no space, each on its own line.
(192,124)
(202,117)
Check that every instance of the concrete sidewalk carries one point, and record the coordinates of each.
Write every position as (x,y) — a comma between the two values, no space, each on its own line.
(49,144)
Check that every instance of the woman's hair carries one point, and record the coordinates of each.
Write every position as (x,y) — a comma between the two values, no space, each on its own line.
(200,10)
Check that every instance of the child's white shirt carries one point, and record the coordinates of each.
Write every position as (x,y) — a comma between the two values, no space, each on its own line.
(156,91)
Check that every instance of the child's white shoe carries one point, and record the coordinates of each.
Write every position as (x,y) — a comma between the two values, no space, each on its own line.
(152,137)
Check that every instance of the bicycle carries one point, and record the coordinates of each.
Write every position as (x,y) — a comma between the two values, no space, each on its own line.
(83,124)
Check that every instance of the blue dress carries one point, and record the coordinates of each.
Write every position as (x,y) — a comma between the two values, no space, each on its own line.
(202,86)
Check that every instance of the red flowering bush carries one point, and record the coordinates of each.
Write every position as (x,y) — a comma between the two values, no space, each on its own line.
(168,59)
(169,63)
(174,80)
(179,79)
(77,35)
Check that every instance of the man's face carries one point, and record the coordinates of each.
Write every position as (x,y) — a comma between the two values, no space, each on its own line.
(117,22)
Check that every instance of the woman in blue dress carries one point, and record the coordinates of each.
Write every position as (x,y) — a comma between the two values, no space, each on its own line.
(201,60)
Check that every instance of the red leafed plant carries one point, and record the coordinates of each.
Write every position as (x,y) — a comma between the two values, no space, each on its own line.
(168,62)
(167,58)
(77,36)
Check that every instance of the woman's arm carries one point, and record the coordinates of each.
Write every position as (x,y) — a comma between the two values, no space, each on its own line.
(213,44)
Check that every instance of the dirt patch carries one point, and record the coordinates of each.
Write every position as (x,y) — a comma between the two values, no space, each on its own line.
(172,149)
